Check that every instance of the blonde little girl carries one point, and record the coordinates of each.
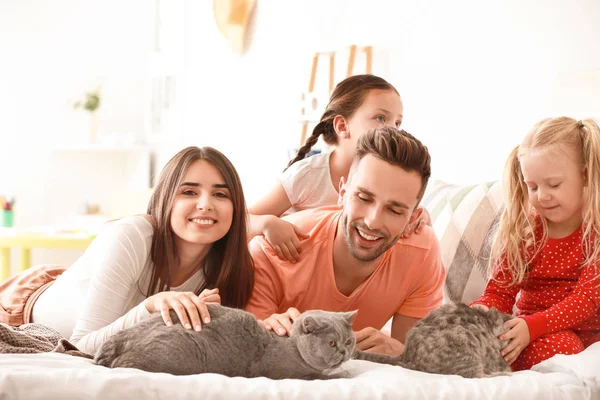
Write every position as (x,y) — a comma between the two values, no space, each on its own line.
(547,248)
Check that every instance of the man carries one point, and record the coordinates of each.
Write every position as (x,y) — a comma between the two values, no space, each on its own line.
(355,257)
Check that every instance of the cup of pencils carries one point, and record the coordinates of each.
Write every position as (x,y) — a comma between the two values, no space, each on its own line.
(6,212)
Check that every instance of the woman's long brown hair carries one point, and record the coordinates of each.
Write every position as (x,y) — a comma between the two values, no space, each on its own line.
(228,265)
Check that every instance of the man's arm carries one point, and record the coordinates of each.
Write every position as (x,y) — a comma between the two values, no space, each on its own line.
(375,341)
(400,326)
(268,292)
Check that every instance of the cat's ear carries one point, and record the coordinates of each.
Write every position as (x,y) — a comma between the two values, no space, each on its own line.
(309,325)
(349,316)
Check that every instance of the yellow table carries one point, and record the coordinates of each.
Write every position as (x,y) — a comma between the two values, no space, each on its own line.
(26,241)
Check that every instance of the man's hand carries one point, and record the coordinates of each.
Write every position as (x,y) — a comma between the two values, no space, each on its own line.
(519,339)
(281,324)
(373,340)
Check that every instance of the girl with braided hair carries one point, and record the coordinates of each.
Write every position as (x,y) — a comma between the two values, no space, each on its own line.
(358,104)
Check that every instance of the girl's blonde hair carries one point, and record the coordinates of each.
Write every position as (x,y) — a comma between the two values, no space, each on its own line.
(515,241)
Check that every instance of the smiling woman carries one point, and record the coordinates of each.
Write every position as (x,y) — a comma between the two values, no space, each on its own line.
(189,250)
(200,194)
(202,211)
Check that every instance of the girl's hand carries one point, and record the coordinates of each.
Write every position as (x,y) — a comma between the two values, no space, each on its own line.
(186,305)
(284,237)
(417,225)
(518,336)
(480,307)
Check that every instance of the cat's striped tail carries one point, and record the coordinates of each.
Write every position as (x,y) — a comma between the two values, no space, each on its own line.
(378,358)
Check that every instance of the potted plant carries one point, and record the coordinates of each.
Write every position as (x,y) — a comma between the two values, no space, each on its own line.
(90,102)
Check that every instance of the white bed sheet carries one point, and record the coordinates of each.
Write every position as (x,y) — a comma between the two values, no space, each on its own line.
(59,376)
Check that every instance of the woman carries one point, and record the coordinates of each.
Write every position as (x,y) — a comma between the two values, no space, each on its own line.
(189,250)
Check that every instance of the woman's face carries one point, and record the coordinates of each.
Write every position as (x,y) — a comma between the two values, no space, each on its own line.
(380,107)
(202,210)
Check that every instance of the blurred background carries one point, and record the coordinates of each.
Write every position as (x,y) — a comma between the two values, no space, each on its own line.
(96,96)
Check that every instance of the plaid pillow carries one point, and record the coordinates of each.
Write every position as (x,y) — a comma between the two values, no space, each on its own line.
(464,218)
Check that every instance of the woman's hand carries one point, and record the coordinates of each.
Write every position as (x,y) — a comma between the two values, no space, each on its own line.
(190,309)
(419,223)
(518,335)
(210,296)
(284,237)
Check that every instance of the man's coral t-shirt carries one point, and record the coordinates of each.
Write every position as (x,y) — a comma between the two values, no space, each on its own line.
(408,280)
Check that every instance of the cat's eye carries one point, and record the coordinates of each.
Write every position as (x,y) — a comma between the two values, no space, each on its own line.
(332,343)
(348,342)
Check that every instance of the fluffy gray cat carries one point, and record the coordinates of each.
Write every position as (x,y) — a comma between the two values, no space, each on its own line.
(234,344)
(454,340)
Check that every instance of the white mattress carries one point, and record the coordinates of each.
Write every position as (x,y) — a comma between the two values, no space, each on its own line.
(59,376)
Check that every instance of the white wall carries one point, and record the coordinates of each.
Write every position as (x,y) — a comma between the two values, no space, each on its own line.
(474,76)
(51,51)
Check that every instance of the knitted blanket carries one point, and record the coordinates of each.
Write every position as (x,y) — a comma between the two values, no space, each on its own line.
(35,338)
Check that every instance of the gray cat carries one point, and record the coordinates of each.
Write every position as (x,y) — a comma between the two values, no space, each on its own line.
(234,344)
(454,340)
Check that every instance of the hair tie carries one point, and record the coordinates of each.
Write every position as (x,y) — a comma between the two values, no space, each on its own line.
(580,124)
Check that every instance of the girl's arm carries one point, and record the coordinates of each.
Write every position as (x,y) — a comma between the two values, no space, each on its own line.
(497,294)
(264,219)
(117,259)
(275,203)
(578,306)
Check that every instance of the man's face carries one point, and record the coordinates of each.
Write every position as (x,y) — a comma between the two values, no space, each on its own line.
(378,200)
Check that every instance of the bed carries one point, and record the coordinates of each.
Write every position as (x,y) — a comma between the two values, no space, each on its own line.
(60,376)
(462,216)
